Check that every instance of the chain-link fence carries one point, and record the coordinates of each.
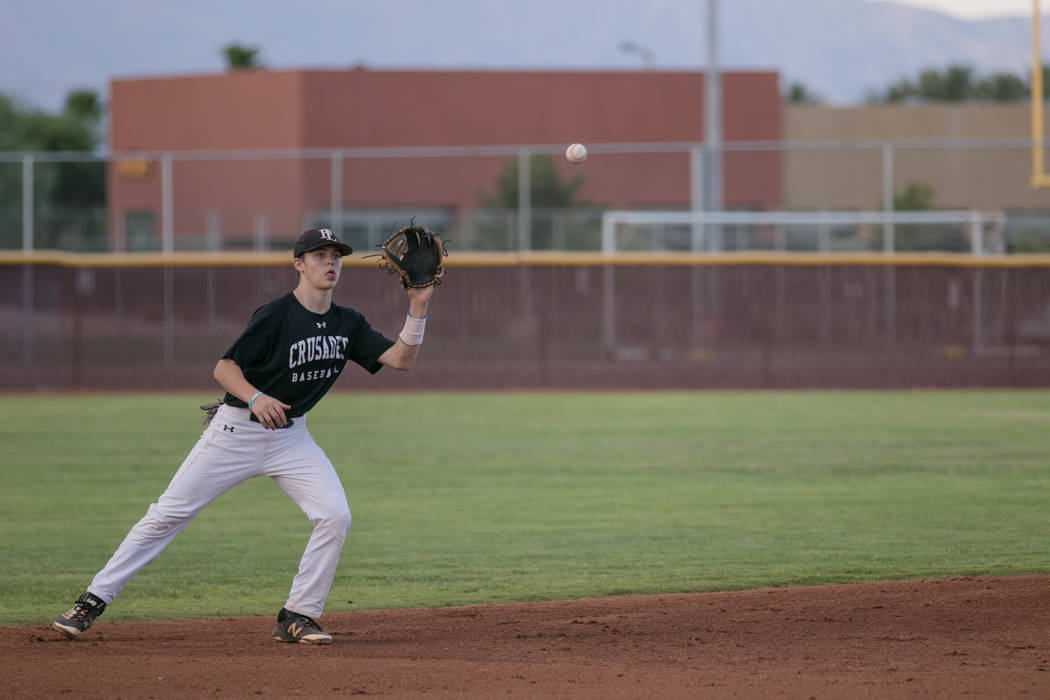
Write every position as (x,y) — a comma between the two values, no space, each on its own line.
(261,200)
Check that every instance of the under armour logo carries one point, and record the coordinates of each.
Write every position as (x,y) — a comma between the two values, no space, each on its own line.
(321,324)
(327,234)
(228,428)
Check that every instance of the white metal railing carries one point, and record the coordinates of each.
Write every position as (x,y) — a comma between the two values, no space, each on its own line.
(525,216)
(706,234)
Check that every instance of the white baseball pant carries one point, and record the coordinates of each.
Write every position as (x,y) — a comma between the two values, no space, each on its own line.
(230,450)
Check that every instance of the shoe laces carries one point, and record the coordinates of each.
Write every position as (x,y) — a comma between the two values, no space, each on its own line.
(80,611)
(308,621)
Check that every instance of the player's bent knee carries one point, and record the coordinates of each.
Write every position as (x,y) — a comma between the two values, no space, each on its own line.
(342,521)
(337,521)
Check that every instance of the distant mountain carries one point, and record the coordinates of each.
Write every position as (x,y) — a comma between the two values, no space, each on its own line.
(847,48)
(841,49)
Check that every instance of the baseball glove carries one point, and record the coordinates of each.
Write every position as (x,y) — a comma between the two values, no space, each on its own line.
(209,411)
(415,255)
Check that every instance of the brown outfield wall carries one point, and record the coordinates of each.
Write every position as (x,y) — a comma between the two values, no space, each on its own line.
(927,322)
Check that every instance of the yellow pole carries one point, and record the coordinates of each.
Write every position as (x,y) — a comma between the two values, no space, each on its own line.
(1037,101)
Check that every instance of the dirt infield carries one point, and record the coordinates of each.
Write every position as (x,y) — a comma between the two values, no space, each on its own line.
(977,637)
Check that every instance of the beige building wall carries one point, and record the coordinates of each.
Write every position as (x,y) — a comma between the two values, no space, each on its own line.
(993,175)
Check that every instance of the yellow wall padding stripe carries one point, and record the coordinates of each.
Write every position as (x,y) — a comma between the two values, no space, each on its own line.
(544,258)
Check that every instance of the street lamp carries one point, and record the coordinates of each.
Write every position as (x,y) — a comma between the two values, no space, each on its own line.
(643,53)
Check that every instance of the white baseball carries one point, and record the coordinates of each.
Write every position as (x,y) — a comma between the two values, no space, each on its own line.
(576,153)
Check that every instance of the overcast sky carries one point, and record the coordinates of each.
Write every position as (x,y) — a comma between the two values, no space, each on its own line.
(50,47)
(978,9)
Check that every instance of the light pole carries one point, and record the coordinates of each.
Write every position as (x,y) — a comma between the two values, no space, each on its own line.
(713,117)
(641,52)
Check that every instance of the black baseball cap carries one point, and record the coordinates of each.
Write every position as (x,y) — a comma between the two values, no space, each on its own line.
(318,238)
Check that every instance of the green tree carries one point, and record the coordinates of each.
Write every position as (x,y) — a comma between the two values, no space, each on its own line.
(919,196)
(955,84)
(9,124)
(70,196)
(1002,87)
(798,93)
(550,192)
(900,91)
(958,83)
(916,196)
(548,188)
(10,177)
(952,85)
(241,57)
(84,105)
(1046,82)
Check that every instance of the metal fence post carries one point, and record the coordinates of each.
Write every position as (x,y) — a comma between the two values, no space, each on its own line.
(260,231)
(336,206)
(120,233)
(887,198)
(696,196)
(977,341)
(976,237)
(27,269)
(169,317)
(713,126)
(608,235)
(213,230)
(524,200)
(167,217)
(525,228)
(28,317)
(608,311)
(823,237)
(27,203)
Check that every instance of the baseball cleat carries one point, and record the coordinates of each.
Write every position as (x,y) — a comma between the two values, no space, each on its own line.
(299,629)
(78,618)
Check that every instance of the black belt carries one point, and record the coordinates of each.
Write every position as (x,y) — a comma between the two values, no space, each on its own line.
(287,424)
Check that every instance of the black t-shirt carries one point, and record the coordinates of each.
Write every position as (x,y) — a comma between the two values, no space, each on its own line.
(295,355)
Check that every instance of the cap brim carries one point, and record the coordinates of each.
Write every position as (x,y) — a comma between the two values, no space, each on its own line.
(343,248)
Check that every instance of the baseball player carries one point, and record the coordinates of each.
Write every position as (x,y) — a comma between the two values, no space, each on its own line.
(289,355)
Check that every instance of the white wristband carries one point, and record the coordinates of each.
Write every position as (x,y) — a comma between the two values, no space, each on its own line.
(412,333)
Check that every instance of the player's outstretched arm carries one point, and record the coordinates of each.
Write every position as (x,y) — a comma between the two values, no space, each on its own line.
(402,354)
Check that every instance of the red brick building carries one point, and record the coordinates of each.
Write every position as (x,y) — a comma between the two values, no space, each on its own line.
(327,109)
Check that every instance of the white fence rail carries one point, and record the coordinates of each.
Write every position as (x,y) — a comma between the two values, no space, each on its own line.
(982,232)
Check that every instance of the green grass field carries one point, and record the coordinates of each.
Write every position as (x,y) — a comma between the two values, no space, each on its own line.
(475,498)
